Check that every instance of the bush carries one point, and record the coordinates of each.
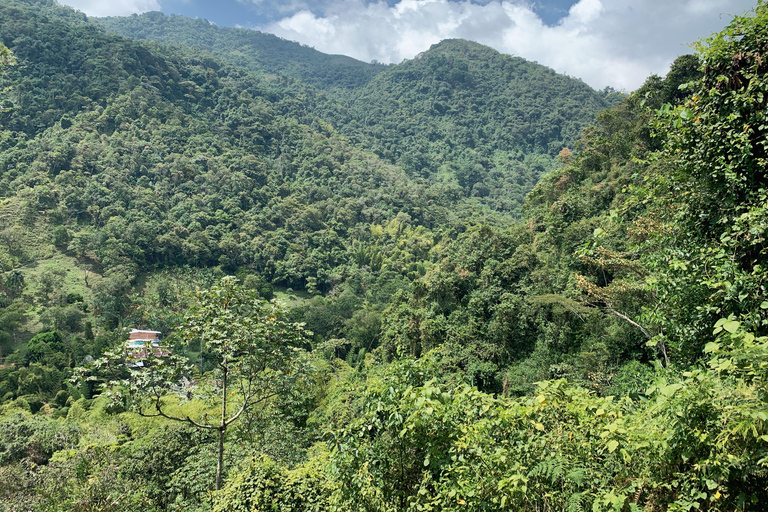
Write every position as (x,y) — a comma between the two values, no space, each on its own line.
(35,438)
(264,485)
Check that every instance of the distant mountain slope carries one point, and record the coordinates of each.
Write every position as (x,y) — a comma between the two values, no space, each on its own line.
(492,121)
(478,98)
(65,68)
(134,156)
(251,49)
(140,155)
(460,114)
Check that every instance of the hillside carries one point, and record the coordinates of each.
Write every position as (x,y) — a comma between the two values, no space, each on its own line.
(132,158)
(460,113)
(251,49)
(426,349)
(491,121)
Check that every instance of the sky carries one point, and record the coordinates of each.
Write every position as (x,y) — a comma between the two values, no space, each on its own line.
(616,43)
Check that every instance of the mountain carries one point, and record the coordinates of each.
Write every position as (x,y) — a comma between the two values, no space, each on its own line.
(461,110)
(460,113)
(132,156)
(251,49)
(142,157)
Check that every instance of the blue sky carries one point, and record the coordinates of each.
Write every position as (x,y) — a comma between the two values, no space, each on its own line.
(615,43)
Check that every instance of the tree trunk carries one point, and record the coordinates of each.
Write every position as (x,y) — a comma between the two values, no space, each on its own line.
(222,427)
(220,463)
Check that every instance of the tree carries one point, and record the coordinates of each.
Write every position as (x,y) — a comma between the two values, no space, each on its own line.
(711,190)
(11,318)
(14,283)
(256,352)
(110,296)
(44,344)
(6,57)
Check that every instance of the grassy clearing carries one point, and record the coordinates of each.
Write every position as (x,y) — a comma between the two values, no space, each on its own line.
(48,282)
(25,235)
(291,298)
(68,276)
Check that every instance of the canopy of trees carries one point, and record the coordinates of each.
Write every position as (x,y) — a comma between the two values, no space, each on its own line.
(441,340)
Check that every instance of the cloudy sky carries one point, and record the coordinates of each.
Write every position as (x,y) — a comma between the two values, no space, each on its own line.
(615,43)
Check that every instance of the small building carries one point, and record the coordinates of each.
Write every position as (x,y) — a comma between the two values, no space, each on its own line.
(141,342)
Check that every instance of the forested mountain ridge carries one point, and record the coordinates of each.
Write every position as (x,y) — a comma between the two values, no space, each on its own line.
(107,106)
(608,351)
(131,158)
(486,100)
(251,49)
(459,111)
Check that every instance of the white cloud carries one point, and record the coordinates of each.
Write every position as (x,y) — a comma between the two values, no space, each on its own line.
(113,7)
(604,42)
(585,11)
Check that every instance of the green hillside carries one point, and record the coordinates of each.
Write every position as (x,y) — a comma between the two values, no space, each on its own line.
(492,122)
(436,342)
(460,113)
(251,49)
(133,158)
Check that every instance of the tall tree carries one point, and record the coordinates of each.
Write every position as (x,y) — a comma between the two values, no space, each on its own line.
(255,350)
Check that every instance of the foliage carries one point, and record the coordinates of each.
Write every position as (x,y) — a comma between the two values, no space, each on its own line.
(710,193)
(429,447)
(467,118)
(259,190)
(43,344)
(6,57)
(560,294)
(255,351)
(251,49)
(158,461)
(34,438)
(264,485)
(465,110)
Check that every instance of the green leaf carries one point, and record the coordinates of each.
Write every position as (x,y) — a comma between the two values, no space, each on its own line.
(612,445)
(669,390)
(731,326)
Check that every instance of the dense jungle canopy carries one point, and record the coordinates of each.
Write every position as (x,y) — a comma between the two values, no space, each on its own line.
(462,282)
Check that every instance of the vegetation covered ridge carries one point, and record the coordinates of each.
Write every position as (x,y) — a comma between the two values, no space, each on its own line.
(606,351)
(460,112)
(251,49)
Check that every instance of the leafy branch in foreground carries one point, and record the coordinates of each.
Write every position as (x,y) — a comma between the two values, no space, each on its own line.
(256,354)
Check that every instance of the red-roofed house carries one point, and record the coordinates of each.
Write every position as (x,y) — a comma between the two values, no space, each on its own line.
(140,342)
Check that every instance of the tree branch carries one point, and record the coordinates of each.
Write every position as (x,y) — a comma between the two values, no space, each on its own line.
(626,318)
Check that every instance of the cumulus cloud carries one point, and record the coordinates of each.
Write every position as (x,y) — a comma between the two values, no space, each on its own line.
(603,42)
(113,7)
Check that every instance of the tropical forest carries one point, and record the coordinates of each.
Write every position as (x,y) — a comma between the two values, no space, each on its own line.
(238,274)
